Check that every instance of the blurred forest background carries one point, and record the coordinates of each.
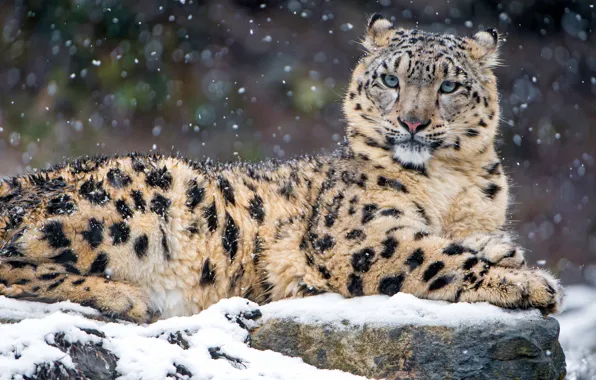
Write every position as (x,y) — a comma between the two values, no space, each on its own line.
(242,79)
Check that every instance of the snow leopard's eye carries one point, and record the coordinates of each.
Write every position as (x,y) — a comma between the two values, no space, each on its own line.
(448,87)
(390,81)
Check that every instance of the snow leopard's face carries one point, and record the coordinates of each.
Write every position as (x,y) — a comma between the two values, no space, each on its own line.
(416,95)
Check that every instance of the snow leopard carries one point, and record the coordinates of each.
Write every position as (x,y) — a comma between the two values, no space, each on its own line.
(414,201)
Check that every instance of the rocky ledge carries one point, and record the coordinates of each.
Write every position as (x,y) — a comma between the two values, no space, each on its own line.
(527,350)
(400,337)
(409,338)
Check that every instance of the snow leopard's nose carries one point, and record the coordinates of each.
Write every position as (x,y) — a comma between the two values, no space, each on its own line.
(413,125)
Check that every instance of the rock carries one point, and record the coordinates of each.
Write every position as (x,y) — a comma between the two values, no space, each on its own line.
(92,361)
(399,337)
(527,349)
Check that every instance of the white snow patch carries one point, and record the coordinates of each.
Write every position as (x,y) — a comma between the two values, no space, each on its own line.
(12,309)
(578,332)
(400,309)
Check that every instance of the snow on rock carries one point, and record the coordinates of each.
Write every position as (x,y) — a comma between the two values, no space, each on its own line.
(409,338)
(27,343)
(213,344)
(11,309)
(400,309)
(209,345)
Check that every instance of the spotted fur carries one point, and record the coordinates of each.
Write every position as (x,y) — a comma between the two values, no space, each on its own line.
(414,201)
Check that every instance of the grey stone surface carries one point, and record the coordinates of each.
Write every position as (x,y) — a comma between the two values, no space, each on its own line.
(526,350)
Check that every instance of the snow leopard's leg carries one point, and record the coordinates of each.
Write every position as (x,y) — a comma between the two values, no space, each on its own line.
(51,282)
(388,259)
(58,256)
(63,261)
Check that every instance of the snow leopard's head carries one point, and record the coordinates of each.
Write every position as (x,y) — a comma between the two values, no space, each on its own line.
(418,95)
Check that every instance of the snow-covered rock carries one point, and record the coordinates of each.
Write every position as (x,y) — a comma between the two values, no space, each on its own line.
(404,337)
(60,341)
(378,336)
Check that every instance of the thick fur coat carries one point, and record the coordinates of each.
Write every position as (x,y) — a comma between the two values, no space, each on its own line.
(415,201)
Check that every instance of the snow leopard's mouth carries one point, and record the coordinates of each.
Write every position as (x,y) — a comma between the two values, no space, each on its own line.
(414,142)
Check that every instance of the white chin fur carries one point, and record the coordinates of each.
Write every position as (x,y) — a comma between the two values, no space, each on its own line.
(410,155)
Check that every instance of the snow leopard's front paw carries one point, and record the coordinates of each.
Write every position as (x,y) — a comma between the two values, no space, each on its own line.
(546,292)
(498,249)
(517,289)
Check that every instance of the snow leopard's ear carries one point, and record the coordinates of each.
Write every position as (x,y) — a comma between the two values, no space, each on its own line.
(378,34)
(484,47)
